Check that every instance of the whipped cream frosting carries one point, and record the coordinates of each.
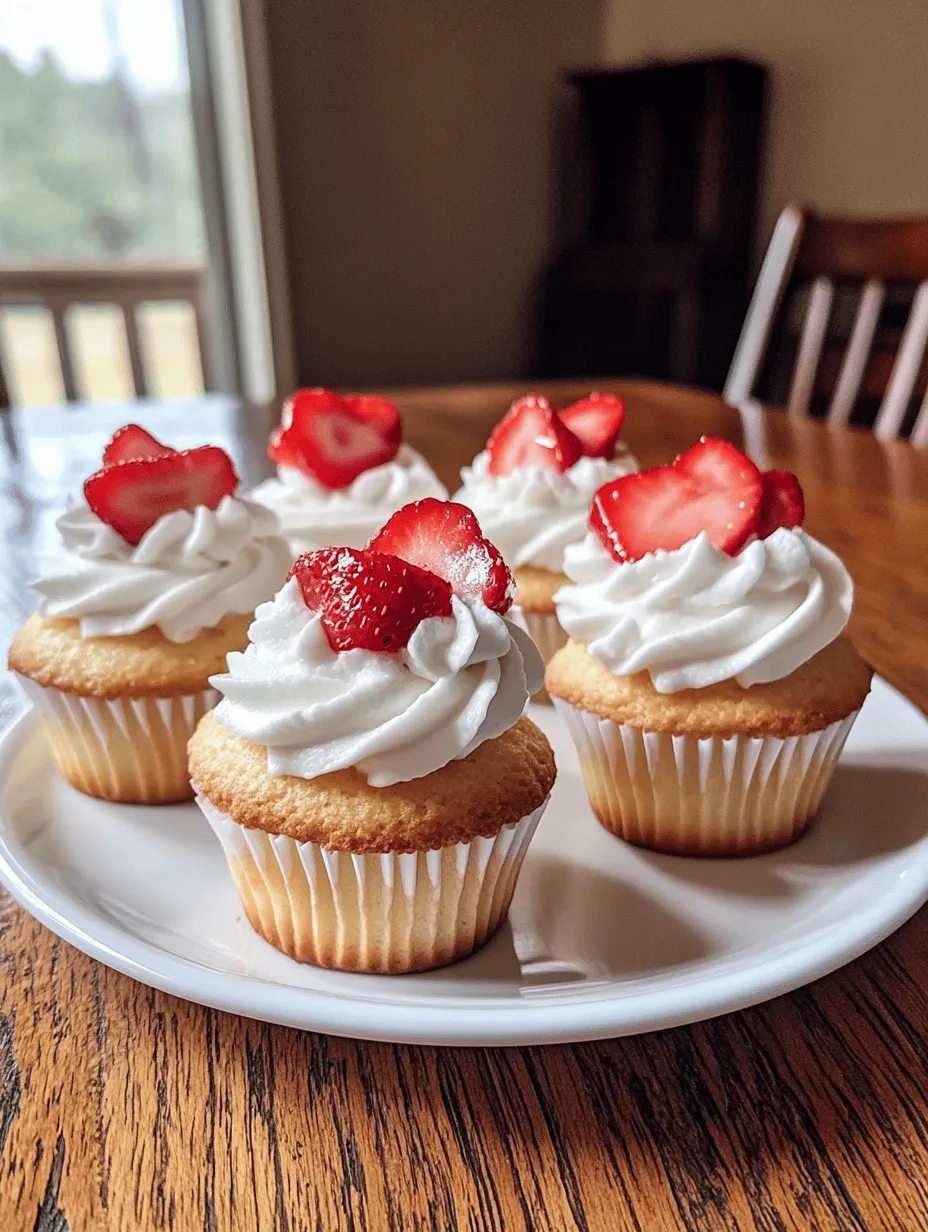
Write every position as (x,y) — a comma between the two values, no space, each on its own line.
(312,516)
(533,514)
(187,572)
(694,616)
(461,680)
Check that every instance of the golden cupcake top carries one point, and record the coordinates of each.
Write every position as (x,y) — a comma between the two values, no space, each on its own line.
(499,783)
(826,688)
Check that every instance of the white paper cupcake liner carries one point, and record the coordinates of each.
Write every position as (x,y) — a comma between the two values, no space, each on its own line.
(543,628)
(714,796)
(387,913)
(545,631)
(130,749)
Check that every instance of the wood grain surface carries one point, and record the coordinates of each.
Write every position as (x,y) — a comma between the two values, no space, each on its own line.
(125,1109)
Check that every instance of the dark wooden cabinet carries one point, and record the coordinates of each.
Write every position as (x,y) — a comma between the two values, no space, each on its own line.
(659,282)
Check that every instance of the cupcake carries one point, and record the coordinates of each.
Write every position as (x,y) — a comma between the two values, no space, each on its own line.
(164,566)
(369,771)
(342,469)
(707,683)
(531,489)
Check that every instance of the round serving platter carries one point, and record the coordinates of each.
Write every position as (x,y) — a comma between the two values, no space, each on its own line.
(603,939)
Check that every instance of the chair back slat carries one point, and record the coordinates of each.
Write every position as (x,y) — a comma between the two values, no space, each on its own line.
(858,352)
(905,370)
(861,341)
(768,291)
(814,329)
(920,430)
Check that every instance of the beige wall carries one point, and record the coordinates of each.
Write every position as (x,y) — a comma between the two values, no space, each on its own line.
(849,107)
(414,143)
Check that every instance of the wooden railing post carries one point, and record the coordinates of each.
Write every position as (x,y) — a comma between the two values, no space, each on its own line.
(134,346)
(58,307)
(59,288)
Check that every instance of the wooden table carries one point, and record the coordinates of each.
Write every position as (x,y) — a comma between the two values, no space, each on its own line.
(124,1109)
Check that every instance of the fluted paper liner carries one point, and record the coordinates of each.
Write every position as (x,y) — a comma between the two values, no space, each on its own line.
(736,795)
(386,913)
(129,749)
(545,630)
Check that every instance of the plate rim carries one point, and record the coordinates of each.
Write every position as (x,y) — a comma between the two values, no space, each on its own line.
(521,1022)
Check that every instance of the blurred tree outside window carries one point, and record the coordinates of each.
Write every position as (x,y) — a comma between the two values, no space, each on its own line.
(97,159)
(96,142)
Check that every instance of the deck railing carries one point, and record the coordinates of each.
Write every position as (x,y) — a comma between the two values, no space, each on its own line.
(58,288)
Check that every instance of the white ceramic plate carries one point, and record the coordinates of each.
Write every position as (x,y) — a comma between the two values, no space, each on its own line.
(603,939)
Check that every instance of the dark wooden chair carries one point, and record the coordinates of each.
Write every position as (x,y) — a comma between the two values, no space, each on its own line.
(838,324)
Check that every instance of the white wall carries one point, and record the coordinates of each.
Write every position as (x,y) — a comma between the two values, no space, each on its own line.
(848,125)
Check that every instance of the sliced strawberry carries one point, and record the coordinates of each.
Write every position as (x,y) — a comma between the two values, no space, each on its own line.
(131,442)
(712,487)
(382,414)
(596,422)
(282,450)
(133,495)
(334,439)
(446,539)
(531,433)
(369,600)
(783,503)
(716,463)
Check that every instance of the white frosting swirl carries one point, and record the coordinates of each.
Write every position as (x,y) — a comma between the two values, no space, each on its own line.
(186,573)
(533,514)
(460,681)
(694,616)
(312,516)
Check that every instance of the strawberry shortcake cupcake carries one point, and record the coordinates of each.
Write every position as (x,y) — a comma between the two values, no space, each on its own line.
(369,771)
(531,489)
(707,683)
(164,566)
(342,469)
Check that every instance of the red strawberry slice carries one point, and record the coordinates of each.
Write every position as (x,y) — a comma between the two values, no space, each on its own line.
(334,439)
(596,422)
(783,503)
(369,600)
(446,539)
(133,495)
(531,433)
(712,487)
(382,414)
(131,442)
